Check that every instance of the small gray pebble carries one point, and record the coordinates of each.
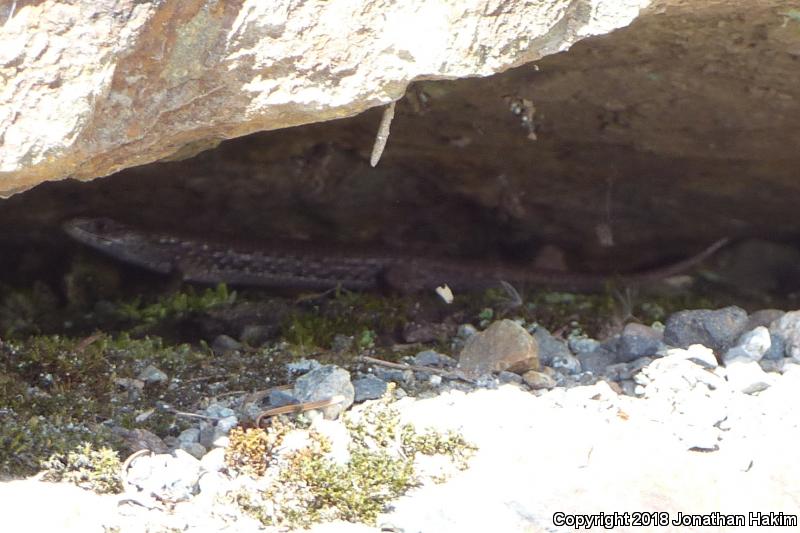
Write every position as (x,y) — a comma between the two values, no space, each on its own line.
(638,340)
(628,387)
(394,374)
(487,381)
(550,348)
(251,410)
(190,435)
(466,331)
(538,380)
(302,366)
(195,449)
(256,334)
(227,424)
(369,388)
(772,365)
(152,375)
(777,348)
(224,344)
(579,345)
(566,363)
(506,377)
(626,371)
(324,383)
(216,410)
(433,358)
(279,398)
(597,360)
(763,317)
(206,434)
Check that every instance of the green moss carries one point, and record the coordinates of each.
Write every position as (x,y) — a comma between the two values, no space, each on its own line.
(27,311)
(176,305)
(433,442)
(96,470)
(56,391)
(596,314)
(309,487)
(309,330)
(249,450)
(25,442)
(361,315)
(91,279)
(378,425)
(356,492)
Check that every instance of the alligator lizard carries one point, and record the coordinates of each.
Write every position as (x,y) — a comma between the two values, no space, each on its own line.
(294,267)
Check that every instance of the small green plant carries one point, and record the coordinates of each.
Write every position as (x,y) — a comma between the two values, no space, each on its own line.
(25,442)
(356,492)
(54,390)
(486,314)
(93,469)
(360,315)
(432,442)
(26,311)
(367,339)
(176,305)
(310,487)
(249,449)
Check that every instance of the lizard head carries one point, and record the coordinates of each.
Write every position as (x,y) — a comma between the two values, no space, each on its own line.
(119,241)
(95,231)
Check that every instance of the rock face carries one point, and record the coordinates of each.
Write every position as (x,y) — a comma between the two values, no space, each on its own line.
(106,86)
(626,152)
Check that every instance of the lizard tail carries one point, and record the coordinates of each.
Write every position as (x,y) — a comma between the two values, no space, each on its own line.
(681,266)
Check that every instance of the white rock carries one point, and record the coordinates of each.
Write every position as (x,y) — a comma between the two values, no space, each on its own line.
(295,440)
(222,441)
(696,353)
(33,506)
(213,461)
(91,74)
(752,345)
(212,483)
(747,376)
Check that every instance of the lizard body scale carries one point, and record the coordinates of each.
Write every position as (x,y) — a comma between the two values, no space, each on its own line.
(206,262)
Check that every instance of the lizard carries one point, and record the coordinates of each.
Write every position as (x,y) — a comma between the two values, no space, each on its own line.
(296,267)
